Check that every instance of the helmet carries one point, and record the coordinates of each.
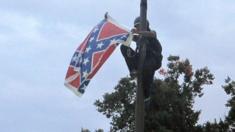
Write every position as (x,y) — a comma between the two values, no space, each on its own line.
(137,21)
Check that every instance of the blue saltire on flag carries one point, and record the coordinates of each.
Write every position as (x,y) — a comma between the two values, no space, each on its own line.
(93,52)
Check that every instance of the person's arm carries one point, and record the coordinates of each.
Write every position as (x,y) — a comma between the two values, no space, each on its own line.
(151,33)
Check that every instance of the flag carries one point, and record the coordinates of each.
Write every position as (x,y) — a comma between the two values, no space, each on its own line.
(93,52)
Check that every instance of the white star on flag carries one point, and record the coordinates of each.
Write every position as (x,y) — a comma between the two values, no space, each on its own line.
(100,45)
(86,60)
(84,74)
(96,29)
(75,58)
(80,60)
(91,39)
(88,49)
(113,41)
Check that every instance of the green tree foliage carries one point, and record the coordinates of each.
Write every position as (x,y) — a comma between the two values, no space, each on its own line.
(120,105)
(229,88)
(85,130)
(99,130)
(171,104)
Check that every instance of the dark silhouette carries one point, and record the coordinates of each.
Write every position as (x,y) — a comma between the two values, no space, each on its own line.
(153,60)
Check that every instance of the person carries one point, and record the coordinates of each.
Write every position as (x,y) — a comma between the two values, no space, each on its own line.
(153,59)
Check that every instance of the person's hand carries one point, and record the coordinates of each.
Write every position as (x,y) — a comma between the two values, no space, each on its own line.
(134,31)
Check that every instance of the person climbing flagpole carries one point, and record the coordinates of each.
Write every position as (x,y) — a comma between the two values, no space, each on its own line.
(142,64)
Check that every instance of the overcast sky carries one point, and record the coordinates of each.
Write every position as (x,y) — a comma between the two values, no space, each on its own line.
(39,37)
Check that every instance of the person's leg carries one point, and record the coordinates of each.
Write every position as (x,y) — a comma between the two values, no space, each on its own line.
(130,57)
(157,62)
(148,77)
(150,66)
(147,82)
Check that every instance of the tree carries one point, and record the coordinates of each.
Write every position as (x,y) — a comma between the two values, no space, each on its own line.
(99,130)
(171,101)
(85,130)
(119,105)
(229,88)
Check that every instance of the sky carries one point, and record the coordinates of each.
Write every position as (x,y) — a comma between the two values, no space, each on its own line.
(39,37)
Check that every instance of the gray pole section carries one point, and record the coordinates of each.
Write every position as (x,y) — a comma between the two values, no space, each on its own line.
(139,109)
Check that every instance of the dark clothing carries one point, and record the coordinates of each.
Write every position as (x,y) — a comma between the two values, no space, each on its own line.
(153,61)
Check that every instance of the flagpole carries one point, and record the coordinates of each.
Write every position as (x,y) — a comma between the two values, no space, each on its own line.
(139,109)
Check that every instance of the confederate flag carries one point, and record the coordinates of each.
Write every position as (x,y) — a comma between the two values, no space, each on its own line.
(93,52)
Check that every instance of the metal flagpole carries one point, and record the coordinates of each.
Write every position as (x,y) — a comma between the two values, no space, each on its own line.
(139,109)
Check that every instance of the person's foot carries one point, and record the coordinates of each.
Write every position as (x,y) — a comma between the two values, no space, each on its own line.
(147,99)
(147,103)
